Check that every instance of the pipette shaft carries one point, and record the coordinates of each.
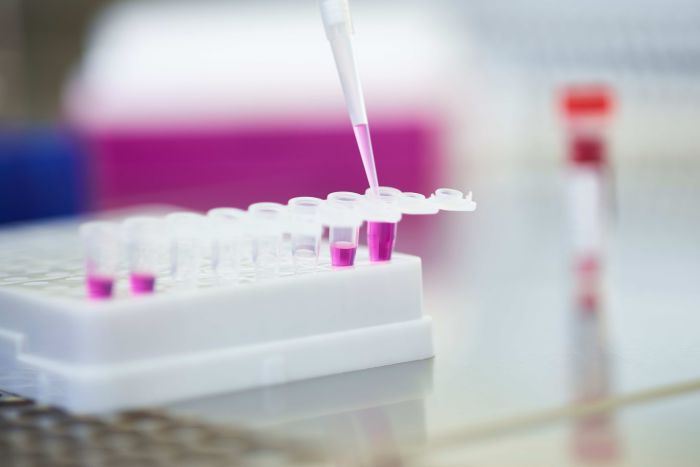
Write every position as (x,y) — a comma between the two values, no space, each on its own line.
(338,25)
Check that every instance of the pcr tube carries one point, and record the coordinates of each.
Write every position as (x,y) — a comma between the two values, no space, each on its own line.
(143,238)
(227,226)
(382,222)
(344,224)
(186,242)
(266,222)
(305,232)
(101,245)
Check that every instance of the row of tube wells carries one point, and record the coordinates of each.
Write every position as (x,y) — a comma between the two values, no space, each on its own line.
(253,243)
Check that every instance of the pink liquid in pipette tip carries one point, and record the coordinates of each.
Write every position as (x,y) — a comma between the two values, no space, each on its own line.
(343,254)
(142,283)
(381,237)
(99,287)
(364,143)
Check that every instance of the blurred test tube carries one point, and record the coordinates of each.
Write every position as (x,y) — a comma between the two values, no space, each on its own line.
(227,226)
(587,111)
(187,241)
(267,221)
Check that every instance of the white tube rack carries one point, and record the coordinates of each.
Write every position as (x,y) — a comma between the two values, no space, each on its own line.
(59,348)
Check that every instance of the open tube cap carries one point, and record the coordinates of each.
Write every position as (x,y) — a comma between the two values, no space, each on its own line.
(342,208)
(591,99)
(376,211)
(383,206)
(444,199)
(449,199)
(417,204)
(267,218)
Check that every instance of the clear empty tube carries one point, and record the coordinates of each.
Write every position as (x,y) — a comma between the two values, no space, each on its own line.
(267,221)
(227,228)
(186,245)
(143,239)
(383,215)
(305,232)
(344,221)
(101,245)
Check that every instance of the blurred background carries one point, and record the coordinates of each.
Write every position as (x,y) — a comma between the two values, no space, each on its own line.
(110,104)
(229,102)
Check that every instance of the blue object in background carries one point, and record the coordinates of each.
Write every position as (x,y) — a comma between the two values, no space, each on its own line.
(42,174)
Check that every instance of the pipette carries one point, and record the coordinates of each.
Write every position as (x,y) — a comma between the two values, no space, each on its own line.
(338,25)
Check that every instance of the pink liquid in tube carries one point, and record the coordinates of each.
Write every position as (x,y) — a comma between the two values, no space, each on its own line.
(364,143)
(99,287)
(343,254)
(141,283)
(381,237)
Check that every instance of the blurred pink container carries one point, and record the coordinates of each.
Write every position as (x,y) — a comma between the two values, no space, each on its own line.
(202,168)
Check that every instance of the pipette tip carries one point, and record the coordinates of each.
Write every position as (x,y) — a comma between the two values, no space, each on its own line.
(364,143)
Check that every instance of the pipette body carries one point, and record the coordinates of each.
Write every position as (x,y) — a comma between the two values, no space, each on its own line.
(339,31)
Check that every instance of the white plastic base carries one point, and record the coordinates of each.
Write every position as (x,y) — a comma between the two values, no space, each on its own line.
(129,352)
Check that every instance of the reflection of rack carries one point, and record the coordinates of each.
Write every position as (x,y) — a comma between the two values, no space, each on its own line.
(361,414)
(316,398)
